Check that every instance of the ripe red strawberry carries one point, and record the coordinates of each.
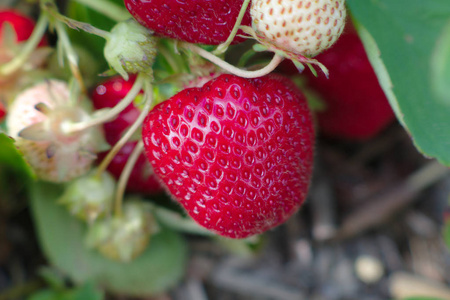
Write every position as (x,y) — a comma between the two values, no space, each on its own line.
(22,25)
(108,94)
(356,106)
(236,153)
(200,21)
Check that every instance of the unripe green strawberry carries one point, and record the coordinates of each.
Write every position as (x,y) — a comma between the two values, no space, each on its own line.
(298,27)
(130,48)
(123,238)
(90,197)
(36,120)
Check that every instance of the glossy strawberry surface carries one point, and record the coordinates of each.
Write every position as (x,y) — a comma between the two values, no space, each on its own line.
(22,25)
(199,21)
(108,94)
(236,153)
(356,106)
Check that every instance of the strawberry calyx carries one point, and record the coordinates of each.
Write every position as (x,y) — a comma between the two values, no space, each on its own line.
(53,128)
(276,60)
(265,44)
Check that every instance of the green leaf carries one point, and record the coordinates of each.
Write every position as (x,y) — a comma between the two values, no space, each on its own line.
(400,41)
(46,294)
(447,227)
(87,291)
(12,159)
(440,65)
(62,239)
(53,278)
(91,42)
(422,298)
(84,292)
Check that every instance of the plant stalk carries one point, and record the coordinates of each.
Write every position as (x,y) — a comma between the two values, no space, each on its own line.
(276,60)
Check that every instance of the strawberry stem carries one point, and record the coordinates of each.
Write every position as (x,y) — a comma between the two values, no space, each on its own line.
(224,46)
(123,180)
(176,221)
(148,96)
(66,48)
(276,60)
(106,8)
(19,60)
(50,7)
(111,113)
(171,60)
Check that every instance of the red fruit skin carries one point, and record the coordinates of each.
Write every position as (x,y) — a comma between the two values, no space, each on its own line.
(236,153)
(142,179)
(357,108)
(108,94)
(22,25)
(200,21)
(2,112)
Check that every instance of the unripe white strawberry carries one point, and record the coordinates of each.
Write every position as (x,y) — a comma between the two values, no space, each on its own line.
(298,27)
(36,121)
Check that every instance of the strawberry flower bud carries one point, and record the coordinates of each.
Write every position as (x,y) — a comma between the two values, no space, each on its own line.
(123,238)
(130,48)
(90,197)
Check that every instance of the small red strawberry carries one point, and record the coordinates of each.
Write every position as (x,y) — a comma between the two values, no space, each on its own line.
(356,106)
(236,153)
(15,29)
(22,25)
(200,21)
(108,94)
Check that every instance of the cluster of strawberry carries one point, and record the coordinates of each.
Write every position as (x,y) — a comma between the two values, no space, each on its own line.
(235,150)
